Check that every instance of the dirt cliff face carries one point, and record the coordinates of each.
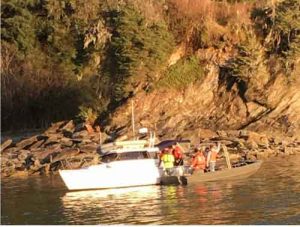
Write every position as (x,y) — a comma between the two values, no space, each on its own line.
(249,81)
(271,106)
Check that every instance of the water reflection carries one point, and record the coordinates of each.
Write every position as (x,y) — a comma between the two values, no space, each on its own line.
(124,205)
(271,196)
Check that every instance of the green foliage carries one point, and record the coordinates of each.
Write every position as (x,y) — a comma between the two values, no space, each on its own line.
(280,29)
(137,50)
(38,77)
(63,46)
(184,72)
(250,60)
(87,114)
(17,24)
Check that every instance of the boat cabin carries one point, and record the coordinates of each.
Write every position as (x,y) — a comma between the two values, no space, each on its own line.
(128,150)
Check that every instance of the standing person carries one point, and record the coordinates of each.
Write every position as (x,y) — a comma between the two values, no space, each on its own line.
(212,157)
(178,155)
(198,161)
(168,161)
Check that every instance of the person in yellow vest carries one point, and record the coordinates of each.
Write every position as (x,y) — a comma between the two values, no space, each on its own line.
(167,159)
(212,157)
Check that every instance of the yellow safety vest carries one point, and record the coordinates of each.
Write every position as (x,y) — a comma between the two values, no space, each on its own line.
(168,160)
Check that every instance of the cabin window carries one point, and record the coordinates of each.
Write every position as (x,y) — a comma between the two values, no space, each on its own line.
(133,155)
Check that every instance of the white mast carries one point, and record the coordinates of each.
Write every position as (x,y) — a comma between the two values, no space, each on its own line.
(132,120)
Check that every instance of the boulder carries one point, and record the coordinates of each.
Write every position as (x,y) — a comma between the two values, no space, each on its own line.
(66,154)
(262,155)
(70,126)
(259,139)
(27,142)
(80,135)
(66,142)
(53,139)
(67,134)
(11,150)
(37,144)
(251,155)
(206,133)
(23,154)
(289,150)
(88,148)
(54,127)
(79,127)
(6,144)
(44,154)
(89,128)
(252,145)
(222,133)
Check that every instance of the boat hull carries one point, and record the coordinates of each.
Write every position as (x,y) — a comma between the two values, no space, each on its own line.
(113,175)
(234,173)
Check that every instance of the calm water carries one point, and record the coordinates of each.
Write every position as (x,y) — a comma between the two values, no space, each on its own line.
(271,196)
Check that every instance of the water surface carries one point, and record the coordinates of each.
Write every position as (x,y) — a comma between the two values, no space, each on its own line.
(271,196)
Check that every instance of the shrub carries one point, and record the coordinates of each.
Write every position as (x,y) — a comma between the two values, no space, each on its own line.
(183,73)
(279,27)
(138,49)
(87,114)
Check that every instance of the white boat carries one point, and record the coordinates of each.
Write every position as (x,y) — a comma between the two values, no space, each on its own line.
(124,164)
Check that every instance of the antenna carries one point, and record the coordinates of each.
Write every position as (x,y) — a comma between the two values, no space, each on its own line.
(132,120)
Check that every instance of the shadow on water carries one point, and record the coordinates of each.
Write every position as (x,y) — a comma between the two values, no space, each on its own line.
(271,196)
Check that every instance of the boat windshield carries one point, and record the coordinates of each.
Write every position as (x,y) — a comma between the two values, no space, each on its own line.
(133,155)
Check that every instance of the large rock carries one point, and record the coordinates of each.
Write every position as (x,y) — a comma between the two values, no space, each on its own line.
(27,142)
(66,154)
(45,154)
(37,144)
(70,126)
(6,144)
(53,139)
(23,154)
(81,135)
(54,128)
(259,139)
(66,142)
(89,148)
(11,150)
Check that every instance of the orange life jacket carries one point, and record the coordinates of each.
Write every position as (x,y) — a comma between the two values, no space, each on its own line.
(198,162)
(213,156)
(177,153)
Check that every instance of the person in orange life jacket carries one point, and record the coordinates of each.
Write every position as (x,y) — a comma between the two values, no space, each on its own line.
(212,157)
(178,155)
(167,159)
(198,161)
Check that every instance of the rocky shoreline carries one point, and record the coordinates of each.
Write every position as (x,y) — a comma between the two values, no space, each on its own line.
(66,145)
